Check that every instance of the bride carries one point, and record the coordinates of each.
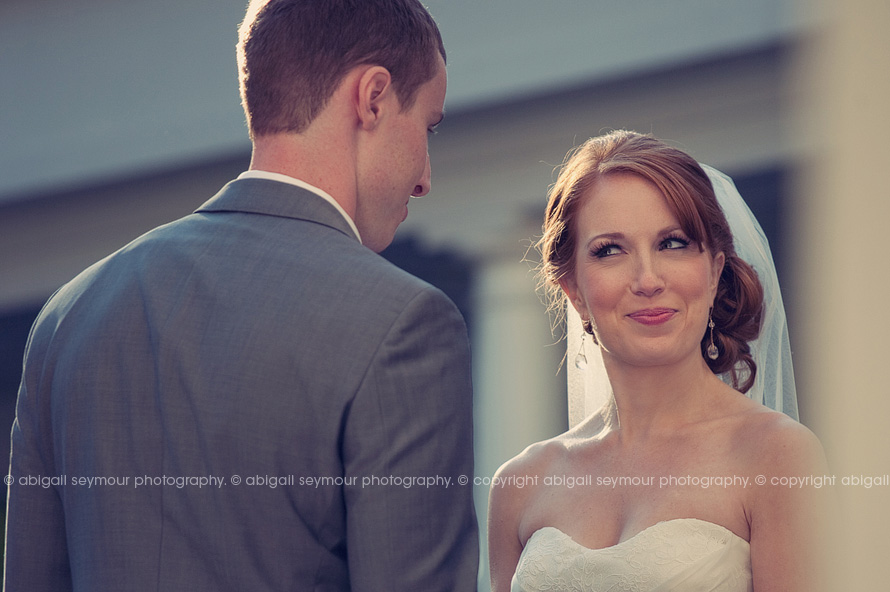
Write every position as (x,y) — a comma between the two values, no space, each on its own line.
(676,483)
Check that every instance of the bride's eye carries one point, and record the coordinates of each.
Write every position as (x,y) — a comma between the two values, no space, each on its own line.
(605,250)
(674,242)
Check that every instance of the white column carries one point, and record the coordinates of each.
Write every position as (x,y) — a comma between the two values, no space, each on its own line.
(520,398)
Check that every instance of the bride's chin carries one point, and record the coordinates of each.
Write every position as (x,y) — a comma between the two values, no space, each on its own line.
(650,355)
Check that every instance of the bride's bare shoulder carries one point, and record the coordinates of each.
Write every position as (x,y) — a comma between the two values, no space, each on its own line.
(772,439)
(514,487)
(517,494)
(544,456)
(537,458)
(553,455)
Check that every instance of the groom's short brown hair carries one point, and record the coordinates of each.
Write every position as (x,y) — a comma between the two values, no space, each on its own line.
(293,54)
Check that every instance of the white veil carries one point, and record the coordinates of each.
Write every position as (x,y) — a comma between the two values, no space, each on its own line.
(774,383)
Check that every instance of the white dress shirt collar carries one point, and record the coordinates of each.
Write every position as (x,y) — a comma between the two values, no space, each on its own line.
(254,174)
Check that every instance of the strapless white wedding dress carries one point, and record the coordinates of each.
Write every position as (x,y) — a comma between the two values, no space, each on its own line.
(682,555)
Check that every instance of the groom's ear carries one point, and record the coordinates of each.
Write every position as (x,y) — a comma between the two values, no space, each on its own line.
(374,94)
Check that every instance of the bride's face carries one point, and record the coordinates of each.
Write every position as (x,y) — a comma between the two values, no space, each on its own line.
(646,287)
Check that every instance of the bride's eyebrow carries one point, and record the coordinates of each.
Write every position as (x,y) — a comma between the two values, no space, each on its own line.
(613,236)
(620,235)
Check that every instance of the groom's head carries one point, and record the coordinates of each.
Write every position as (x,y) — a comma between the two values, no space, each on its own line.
(358,85)
(293,54)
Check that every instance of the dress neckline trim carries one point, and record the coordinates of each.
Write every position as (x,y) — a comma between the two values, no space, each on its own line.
(648,529)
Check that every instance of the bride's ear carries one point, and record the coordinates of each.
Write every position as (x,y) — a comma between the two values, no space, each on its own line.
(570,288)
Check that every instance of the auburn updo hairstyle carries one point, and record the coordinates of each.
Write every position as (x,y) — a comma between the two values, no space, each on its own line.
(738,305)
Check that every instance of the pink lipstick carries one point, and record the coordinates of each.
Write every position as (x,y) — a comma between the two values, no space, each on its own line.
(653,316)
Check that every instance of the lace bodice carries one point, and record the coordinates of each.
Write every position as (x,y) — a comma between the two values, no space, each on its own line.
(682,555)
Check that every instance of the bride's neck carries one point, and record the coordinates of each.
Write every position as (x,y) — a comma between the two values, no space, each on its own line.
(650,400)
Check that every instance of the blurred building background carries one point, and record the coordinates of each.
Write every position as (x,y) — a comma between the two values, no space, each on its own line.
(119,116)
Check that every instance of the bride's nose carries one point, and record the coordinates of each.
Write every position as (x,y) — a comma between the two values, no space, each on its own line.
(647,278)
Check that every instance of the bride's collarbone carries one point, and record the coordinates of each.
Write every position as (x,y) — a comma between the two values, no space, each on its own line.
(651,455)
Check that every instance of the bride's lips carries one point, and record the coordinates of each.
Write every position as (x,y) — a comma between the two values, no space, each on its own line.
(653,316)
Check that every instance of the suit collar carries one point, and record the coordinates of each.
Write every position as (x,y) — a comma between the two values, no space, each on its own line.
(272,198)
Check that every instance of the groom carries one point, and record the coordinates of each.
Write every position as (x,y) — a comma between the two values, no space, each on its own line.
(250,398)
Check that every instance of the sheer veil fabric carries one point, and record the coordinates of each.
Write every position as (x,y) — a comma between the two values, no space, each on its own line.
(589,389)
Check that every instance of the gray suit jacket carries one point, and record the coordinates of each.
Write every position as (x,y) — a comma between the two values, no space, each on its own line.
(244,399)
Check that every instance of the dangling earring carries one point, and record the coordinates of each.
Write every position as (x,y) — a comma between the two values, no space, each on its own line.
(581,358)
(713,352)
(588,328)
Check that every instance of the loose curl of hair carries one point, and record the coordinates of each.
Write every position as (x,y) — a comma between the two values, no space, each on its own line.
(738,304)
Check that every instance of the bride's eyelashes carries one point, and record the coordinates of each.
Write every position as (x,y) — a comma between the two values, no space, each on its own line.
(673,241)
(604,249)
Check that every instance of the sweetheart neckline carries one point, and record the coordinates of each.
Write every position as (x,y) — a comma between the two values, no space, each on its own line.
(647,529)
